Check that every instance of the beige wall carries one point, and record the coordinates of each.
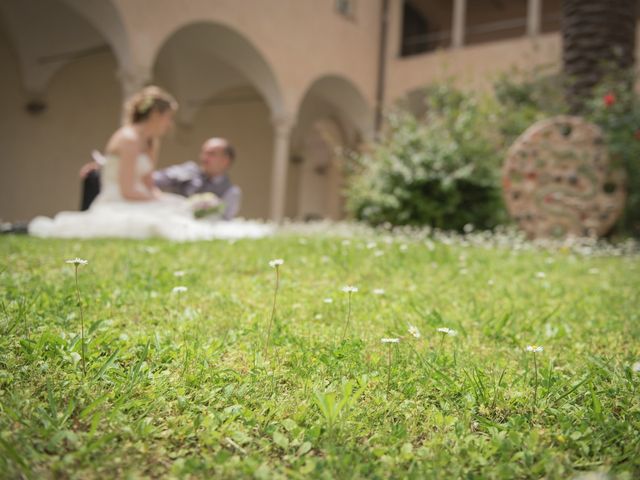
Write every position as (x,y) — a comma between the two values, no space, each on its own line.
(301,40)
(40,154)
(474,66)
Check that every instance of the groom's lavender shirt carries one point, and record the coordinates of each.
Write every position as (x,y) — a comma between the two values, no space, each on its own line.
(187,179)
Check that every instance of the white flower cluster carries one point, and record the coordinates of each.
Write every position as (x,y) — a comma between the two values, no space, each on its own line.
(390,340)
(77,261)
(534,348)
(276,262)
(179,289)
(413,330)
(349,289)
(448,331)
(204,204)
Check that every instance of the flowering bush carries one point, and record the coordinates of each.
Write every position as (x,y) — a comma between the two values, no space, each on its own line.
(615,107)
(443,171)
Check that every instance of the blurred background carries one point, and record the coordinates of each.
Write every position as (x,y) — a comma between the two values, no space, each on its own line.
(293,84)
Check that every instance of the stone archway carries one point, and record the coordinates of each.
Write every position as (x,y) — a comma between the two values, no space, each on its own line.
(224,88)
(333,119)
(59,85)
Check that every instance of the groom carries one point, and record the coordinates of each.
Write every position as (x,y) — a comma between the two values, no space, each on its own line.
(186,179)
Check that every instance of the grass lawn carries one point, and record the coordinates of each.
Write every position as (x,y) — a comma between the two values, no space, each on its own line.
(184,384)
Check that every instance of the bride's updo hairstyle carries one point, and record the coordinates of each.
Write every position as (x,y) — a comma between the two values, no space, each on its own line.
(150,99)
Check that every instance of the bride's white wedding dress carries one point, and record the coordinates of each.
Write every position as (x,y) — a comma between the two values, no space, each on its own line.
(111,215)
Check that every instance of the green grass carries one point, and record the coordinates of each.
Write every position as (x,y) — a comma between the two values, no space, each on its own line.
(181,385)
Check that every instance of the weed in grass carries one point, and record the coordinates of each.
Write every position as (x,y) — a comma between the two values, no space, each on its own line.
(349,290)
(276,263)
(389,342)
(76,262)
(534,350)
(334,408)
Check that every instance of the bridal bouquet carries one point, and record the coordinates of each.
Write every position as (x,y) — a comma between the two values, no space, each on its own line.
(205,205)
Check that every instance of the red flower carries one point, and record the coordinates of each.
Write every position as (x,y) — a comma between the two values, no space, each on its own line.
(637,134)
(609,99)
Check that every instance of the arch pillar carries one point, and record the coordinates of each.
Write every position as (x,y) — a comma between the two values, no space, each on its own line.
(282,127)
(132,80)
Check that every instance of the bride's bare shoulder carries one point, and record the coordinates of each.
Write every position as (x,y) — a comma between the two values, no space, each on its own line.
(123,139)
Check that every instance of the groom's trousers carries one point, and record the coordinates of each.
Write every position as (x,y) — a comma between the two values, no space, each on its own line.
(90,189)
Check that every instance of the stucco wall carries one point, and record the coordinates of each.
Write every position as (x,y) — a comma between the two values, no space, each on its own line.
(40,154)
(301,40)
(475,66)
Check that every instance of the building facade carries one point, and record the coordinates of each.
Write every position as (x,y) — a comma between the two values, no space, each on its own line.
(291,83)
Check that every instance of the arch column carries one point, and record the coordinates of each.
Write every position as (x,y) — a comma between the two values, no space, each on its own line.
(282,126)
(458,26)
(534,14)
(134,79)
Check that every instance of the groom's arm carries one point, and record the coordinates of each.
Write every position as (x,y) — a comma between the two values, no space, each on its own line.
(176,177)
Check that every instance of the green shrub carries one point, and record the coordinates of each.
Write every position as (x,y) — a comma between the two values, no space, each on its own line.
(443,171)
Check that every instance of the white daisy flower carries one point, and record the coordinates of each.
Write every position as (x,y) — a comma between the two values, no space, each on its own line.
(349,289)
(75,357)
(77,261)
(179,289)
(328,300)
(541,275)
(534,348)
(413,330)
(448,331)
(276,262)
(390,340)
(378,291)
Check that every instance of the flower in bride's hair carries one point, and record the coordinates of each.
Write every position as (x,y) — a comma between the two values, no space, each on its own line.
(145,104)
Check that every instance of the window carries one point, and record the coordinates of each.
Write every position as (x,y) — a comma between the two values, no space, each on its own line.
(426,26)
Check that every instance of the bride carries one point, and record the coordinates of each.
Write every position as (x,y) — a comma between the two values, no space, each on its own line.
(129,204)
